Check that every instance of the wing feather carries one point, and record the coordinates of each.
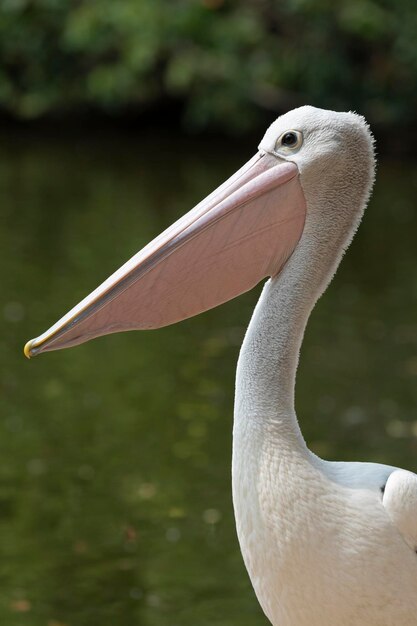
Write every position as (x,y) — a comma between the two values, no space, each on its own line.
(400,501)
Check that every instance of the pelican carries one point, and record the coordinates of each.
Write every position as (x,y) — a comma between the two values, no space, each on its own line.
(325,543)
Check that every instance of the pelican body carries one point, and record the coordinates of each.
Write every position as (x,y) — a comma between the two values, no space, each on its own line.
(324,543)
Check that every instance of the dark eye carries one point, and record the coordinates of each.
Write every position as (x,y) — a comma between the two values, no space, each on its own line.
(289,139)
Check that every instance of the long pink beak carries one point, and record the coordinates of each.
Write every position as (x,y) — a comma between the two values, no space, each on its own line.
(241,233)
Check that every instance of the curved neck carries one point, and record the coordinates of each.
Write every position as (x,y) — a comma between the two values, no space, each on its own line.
(266,371)
(268,360)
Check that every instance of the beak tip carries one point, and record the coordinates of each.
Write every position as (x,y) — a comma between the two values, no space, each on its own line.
(27,350)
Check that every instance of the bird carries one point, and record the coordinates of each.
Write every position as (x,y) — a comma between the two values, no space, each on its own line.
(325,543)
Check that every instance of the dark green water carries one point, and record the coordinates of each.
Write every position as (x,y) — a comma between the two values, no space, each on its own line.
(115,501)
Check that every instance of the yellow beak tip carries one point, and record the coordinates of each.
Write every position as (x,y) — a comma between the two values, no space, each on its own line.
(27,349)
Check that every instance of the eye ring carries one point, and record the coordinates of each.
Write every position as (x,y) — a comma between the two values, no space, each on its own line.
(290,141)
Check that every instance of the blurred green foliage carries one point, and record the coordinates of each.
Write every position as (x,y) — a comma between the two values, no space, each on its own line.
(225,60)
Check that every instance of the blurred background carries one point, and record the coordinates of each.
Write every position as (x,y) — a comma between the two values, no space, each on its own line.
(115,119)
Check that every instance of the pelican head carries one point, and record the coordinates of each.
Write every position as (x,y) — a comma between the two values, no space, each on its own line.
(243,232)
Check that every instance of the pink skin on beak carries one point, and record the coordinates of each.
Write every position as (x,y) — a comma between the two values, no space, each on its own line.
(241,233)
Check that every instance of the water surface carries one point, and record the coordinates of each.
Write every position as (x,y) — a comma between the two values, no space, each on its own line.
(115,498)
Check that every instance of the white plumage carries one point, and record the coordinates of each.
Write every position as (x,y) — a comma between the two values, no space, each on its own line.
(325,544)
